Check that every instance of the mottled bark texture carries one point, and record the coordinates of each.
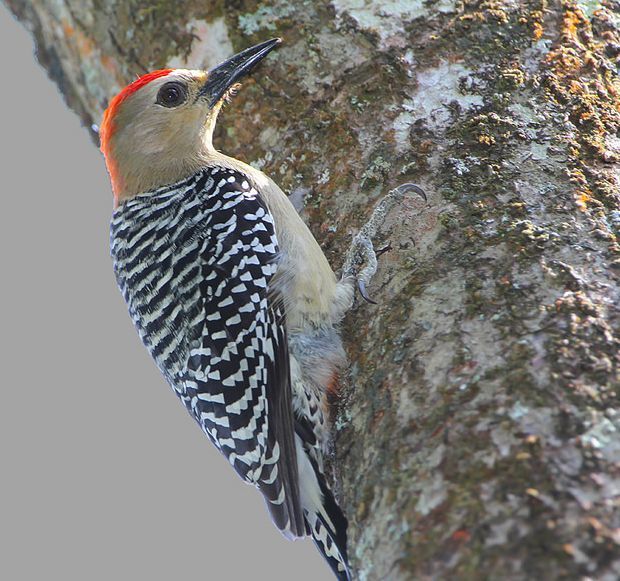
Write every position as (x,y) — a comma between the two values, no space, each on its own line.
(478,434)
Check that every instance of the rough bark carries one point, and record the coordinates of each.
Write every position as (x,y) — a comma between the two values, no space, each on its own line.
(478,434)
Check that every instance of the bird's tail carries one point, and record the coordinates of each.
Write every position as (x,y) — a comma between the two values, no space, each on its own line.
(325,521)
(331,542)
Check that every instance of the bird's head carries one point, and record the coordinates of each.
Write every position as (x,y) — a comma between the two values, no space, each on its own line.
(159,128)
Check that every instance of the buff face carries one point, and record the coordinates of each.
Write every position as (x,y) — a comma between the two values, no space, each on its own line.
(159,129)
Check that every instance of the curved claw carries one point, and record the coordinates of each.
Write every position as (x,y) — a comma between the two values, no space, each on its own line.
(361,286)
(383,250)
(409,187)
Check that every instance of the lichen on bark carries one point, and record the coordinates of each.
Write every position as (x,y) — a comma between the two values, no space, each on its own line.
(478,432)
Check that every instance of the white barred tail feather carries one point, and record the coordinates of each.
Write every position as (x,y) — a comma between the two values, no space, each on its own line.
(328,528)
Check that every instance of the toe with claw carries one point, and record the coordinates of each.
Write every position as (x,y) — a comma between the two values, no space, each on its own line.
(362,250)
(361,253)
(361,286)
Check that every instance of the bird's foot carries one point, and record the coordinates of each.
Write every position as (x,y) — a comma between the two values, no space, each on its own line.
(361,259)
(363,264)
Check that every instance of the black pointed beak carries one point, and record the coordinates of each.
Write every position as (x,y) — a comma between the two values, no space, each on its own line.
(222,77)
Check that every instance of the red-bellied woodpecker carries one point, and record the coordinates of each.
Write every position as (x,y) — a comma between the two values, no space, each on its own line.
(229,291)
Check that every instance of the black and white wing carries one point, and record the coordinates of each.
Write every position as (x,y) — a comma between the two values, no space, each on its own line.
(237,380)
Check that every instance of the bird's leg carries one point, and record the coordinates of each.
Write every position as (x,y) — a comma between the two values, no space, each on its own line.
(362,251)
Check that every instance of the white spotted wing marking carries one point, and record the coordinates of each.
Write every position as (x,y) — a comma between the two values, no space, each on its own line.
(194,262)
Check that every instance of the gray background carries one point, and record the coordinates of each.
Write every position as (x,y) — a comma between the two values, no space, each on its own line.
(103,473)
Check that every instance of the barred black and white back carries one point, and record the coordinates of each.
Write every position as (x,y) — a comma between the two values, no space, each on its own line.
(195,262)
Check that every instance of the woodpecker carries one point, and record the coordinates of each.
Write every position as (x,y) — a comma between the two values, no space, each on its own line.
(229,292)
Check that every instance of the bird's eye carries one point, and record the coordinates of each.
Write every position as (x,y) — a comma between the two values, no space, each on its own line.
(172,95)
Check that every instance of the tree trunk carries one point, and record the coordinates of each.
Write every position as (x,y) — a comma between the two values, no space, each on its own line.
(478,432)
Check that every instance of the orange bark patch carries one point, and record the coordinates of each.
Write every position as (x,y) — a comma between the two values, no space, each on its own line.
(67,29)
(580,79)
(461,536)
